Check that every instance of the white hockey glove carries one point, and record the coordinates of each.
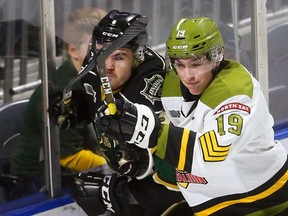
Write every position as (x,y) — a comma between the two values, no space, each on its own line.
(135,123)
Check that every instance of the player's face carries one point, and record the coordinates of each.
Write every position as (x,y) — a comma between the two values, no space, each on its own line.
(119,67)
(195,74)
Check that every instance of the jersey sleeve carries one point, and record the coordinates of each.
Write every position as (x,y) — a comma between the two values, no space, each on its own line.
(169,145)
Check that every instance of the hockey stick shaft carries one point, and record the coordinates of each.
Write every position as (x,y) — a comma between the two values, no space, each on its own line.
(98,60)
(67,92)
(135,29)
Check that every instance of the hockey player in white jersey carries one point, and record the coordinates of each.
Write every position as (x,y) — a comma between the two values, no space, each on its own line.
(218,134)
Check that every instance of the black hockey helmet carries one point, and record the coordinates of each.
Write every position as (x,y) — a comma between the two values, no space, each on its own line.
(113,25)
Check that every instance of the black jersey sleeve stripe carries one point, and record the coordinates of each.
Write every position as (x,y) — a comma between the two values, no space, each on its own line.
(173,145)
(183,149)
(189,151)
(176,146)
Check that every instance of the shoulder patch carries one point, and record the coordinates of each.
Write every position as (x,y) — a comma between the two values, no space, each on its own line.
(235,106)
(153,88)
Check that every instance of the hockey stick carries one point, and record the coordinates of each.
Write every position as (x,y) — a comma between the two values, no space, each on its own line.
(136,27)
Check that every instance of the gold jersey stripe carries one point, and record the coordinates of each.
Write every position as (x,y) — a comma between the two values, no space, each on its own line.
(216,147)
(182,155)
(278,185)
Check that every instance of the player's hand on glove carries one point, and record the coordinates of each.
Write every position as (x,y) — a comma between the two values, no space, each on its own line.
(67,116)
(133,123)
(96,193)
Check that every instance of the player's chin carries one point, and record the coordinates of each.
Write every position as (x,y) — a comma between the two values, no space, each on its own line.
(195,91)
(112,80)
(115,85)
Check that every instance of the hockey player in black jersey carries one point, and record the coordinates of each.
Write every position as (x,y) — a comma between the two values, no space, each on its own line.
(136,74)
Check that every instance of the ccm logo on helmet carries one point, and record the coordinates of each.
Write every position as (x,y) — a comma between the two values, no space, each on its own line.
(110,34)
(180,47)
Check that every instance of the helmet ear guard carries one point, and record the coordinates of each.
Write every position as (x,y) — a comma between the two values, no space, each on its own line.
(139,53)
(215,54)
(140,45)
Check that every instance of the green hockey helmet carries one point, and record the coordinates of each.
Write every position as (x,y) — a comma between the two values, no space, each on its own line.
(196,37)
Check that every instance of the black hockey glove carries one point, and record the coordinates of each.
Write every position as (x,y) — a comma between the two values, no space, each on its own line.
(67,116)
(96,193)
(134,123)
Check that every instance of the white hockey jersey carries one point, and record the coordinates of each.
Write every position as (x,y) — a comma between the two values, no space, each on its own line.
(222,145)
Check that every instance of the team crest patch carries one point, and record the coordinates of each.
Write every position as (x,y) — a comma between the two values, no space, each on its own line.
(153,88)
(184,178)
